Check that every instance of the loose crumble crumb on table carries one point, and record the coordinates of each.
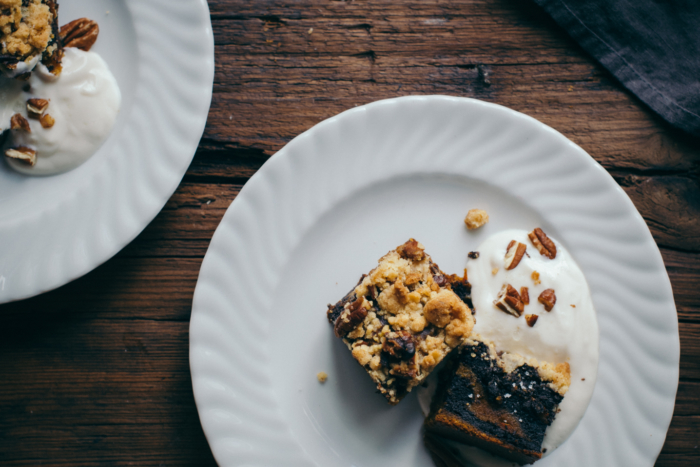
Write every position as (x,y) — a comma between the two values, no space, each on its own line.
(322,377)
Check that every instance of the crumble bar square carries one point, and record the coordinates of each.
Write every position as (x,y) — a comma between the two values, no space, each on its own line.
(497,401)
(403,318)
(29,32)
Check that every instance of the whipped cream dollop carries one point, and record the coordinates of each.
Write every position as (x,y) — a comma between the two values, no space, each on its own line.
(84,100)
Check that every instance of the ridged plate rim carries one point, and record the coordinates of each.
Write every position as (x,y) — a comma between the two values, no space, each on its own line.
(147,160)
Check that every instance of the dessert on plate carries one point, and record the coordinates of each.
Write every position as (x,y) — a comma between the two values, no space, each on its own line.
(402,319)
(508,361)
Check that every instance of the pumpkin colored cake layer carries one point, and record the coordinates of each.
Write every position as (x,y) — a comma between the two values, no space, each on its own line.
(499,402)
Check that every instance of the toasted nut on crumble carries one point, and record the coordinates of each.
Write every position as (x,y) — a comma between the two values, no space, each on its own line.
(81,33)
(514,253)
(411,250)
(548,299)
(543,243)
(47,121)
(37,107)
(400,346)
(476,218)
(18,122)
(23,154)
(531,319)
(525,295)
(350,318)
(510,301)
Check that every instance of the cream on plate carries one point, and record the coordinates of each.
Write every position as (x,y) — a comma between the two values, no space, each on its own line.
(73,114)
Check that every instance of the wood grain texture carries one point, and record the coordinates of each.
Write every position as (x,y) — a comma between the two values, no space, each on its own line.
(96,372)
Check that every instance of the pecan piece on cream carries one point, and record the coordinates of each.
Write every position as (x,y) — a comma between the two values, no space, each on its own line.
(543,243)
(37,107)
(411,250)
(18,122)
(509,300)
(531,319)
(22,153)
(47,121)
(349,319)
(514,254)
(80,33)
(525,295)
(548,299)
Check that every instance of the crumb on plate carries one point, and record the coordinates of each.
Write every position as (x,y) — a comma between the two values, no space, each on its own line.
(476,218)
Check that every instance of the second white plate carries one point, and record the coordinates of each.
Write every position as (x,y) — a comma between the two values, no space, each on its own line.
(323,210)
(55,229)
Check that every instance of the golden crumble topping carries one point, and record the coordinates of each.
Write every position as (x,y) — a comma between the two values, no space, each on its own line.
(402,319)
(26,30)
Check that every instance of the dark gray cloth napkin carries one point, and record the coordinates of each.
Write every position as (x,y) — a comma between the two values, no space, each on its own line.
(651,46)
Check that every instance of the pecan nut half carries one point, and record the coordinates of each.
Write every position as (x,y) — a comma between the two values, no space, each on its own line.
(509,300)
(18,122)
(543,243)
(23,154)
(514,254)
(81,33)
(548,299)
(349,319)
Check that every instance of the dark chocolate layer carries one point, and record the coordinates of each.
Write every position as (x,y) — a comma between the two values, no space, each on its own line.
(515,408)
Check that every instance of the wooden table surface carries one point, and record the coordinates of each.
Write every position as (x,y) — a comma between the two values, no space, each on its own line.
(96,372)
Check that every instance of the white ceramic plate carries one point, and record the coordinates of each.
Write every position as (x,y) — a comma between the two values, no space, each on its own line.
(321,212)
(55,229)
